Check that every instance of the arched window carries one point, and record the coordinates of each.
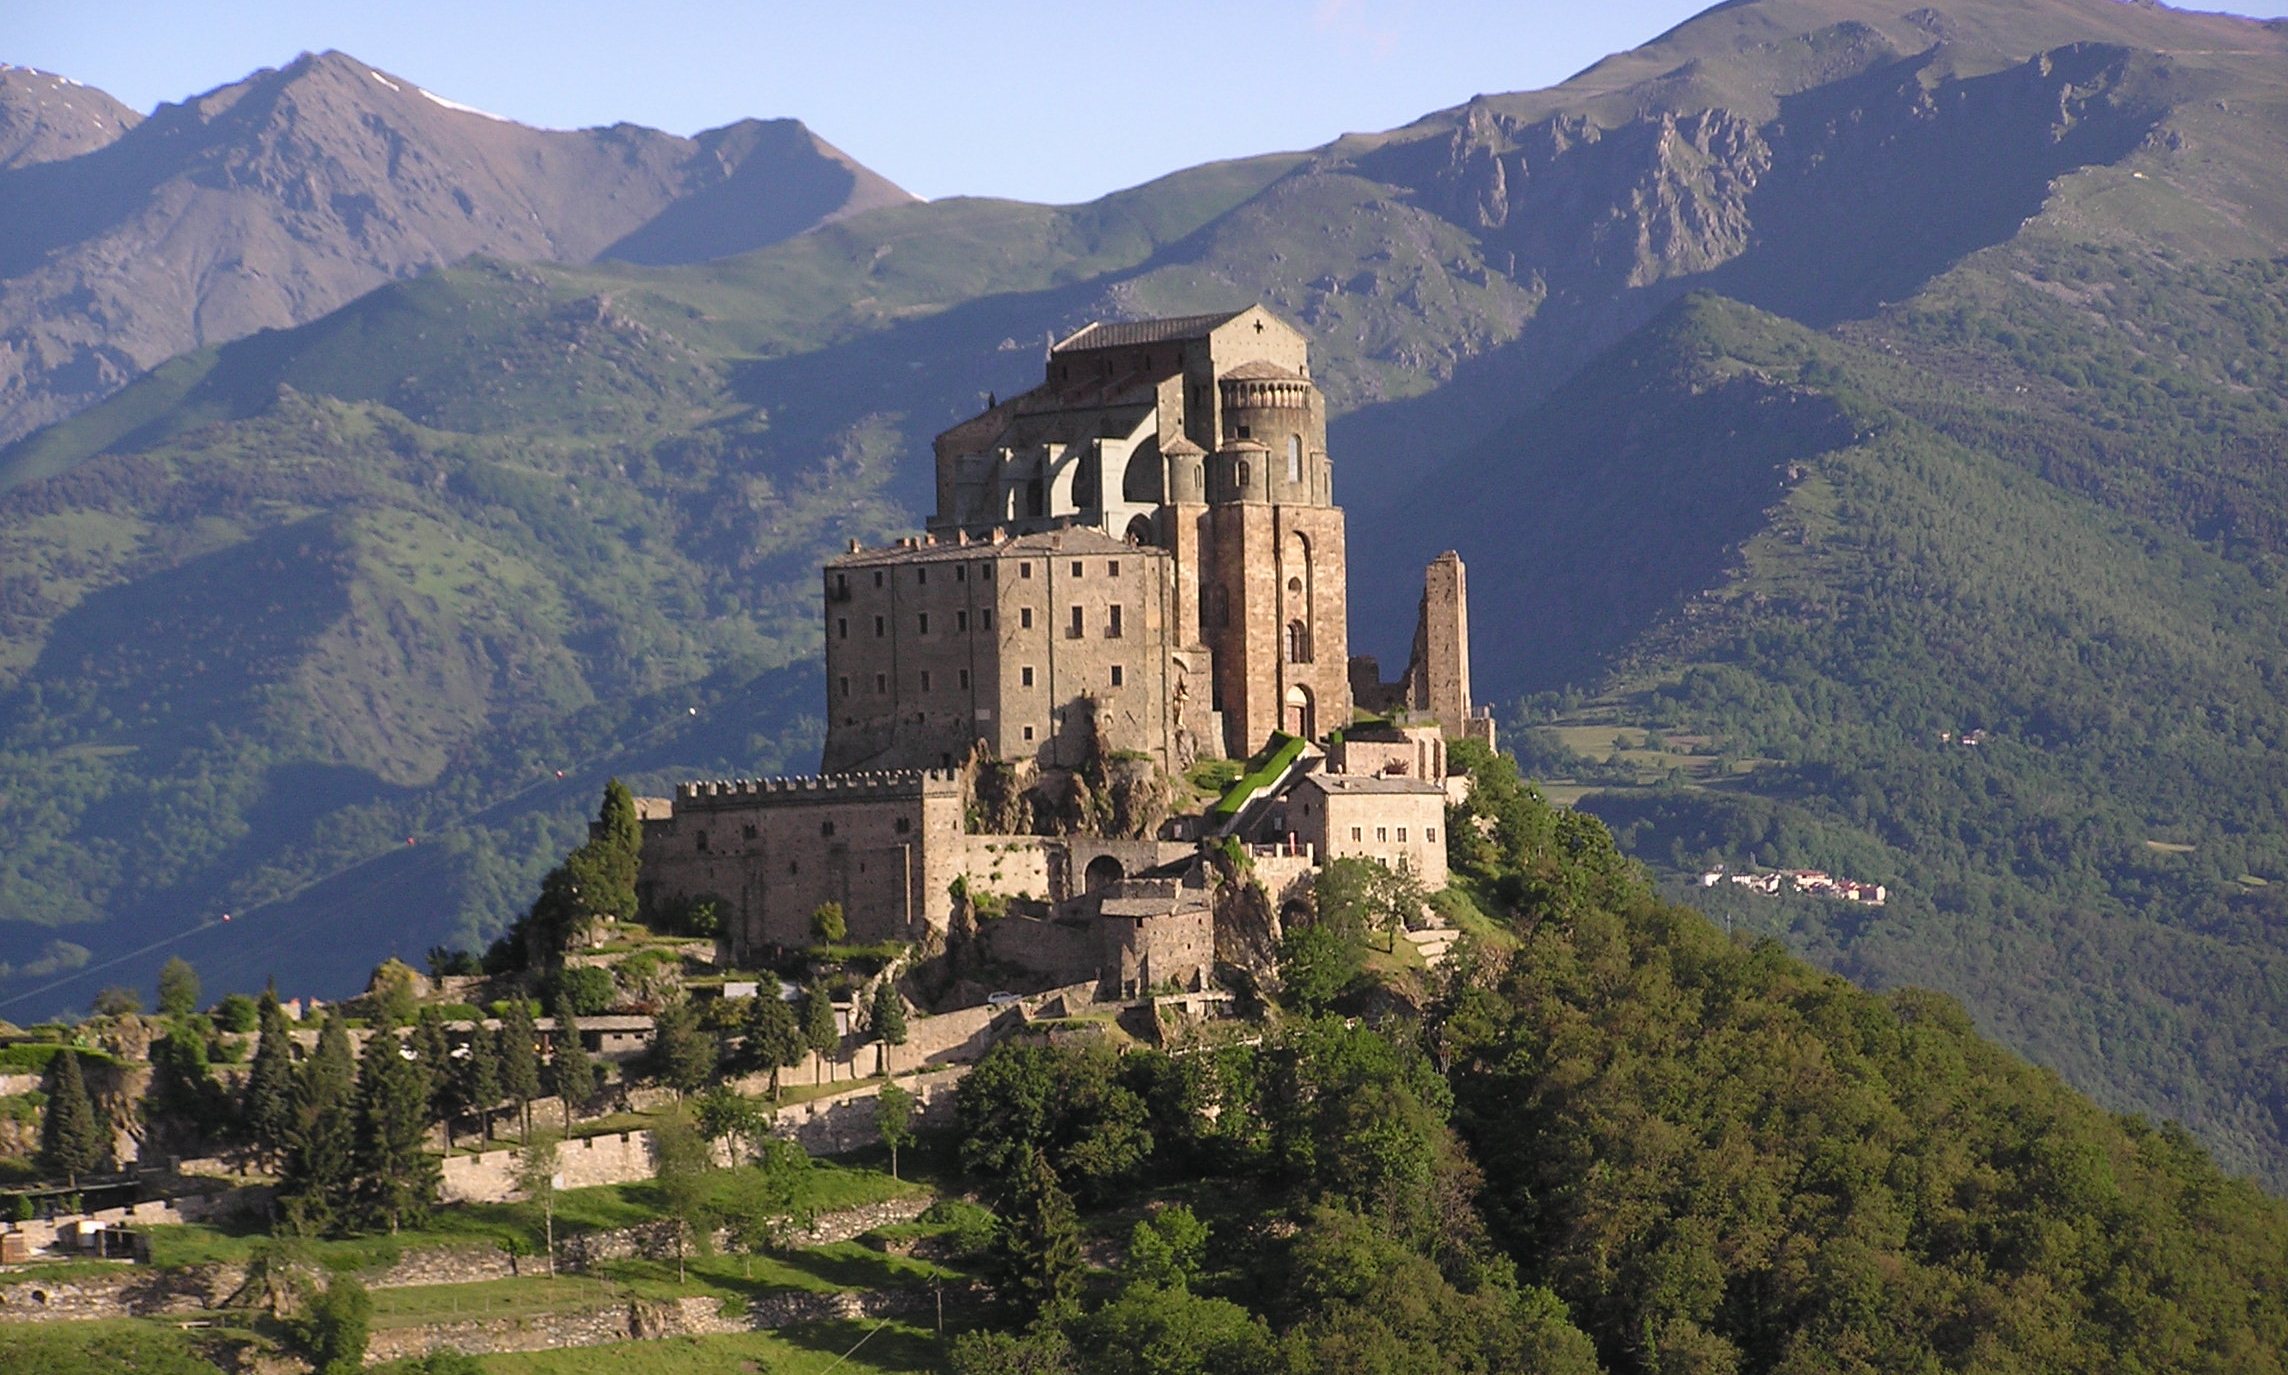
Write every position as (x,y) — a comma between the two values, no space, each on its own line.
(1298,643)
(1294,458)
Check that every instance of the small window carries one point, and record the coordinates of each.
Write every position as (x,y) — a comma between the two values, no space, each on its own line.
(1243,468)
(961,620)
(877,577)
(748,830)
(1294,459)
(925,688)
(923,621)
(1246,433)
(1025,676)
(881,683)
(1430,834)
(985,620)
(826,829)
(1072,631)
(881,627)
(1112,623)
(985,572)
(1076,568)
(965,678)
(961,572)
(1354,833)
(1025,568)
(845,685)
(1028,732)
(1382,833)
(1112,568)
(1119,676)
(702,839)
(792,867)
(905,824)
(921,576)
(1402,835)
(842,584)
(842,627)
(1024,618)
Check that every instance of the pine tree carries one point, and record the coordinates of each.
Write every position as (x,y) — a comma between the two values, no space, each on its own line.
(1039,1247)
(571,1074)
(433,1056)
(321,1157)
(888,1019)
(396,1176)
(520,1062)
(774,1037)
(820,1035)
(477,1082)
(71,1131)
(266,1106)
(183,1092)
(683,1053)
(178,988)
(620,837)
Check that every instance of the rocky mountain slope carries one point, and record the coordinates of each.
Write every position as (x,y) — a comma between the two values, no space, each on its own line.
(273,200)
(1821,377)
(45,117)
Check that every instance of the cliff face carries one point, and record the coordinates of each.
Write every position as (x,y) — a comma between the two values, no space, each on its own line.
(269,202)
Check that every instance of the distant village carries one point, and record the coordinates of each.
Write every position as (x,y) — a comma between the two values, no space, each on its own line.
(1817,882)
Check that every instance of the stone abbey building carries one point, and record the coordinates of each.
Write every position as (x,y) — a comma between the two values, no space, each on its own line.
(1139,558)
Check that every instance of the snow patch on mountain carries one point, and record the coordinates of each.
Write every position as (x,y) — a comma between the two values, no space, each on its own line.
(464,109)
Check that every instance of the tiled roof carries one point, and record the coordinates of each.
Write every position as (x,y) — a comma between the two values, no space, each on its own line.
(1372,783)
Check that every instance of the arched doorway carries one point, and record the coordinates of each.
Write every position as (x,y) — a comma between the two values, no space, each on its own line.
(1300,717)
(1102,872)
(1140,531)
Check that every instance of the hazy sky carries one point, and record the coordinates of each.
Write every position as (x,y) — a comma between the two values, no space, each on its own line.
(1050,102)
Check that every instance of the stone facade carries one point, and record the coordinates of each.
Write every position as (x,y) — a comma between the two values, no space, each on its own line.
(1397,822)
(1157,933)
(1436,685)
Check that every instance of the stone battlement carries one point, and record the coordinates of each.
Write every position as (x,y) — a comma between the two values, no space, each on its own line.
(706,794)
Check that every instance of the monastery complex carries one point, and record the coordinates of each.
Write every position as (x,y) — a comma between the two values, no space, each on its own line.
(1136,566)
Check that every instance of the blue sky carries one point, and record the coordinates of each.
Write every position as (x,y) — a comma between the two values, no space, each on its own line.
(1049,102)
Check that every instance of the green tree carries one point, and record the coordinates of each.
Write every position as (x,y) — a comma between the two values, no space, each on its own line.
(603,871)
(397,1176)
(828,924)
(237,1012)
(72,1135)
(1167,1248)
(520,1061)
(756,1203)
(684,1160)
(886,1018)
(894,1120)
(1038,1249)
(432,1047)
(683,1054)
(536,1168)
(723,1115)
(1150,1330)
(571,1074)
(1041,1349)
(1317,964)
(178,988)
(820,1033)
(477,1078)
(266,1104)
(183,1092)
(774,1037)
(321,1155)
(337,1327)
(582,989)
(390,993)
(116,1001)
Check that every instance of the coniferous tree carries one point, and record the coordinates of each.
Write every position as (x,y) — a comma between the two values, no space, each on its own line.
(433,1056)
(774,1037)
(820,1035)
(683,1053)
(71,1131)
(266,1106)
(1039,1244)
(321,1157)
(183,1092)
(520,1062)
(396,1176)
(888,1019)
(571,1074)
(477,1078)
(178,988)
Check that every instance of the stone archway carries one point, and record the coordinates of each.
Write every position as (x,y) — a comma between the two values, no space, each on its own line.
(1102,872)
(1299,717)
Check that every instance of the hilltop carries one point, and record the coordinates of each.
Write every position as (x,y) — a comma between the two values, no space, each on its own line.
(270,201)
(1809,383)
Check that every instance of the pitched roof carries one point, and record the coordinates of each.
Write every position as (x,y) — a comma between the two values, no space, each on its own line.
(1260,371)
(1101,334)
(1370,783)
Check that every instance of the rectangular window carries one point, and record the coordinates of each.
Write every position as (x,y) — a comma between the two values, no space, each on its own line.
(1119,675)
(842,584)
(881,627)
(1430,834)
(985,620)
(1025,676)
(842,627)
(924,620)
(1382,833)
(1028,732)
(1072,632)
(1401,830)
(985,572)
(925,688)
(1112,625)
(1354,833)
(1076,568)
(846,685)
(965,677)
(877,577)
(881,684)
(1025,568)
(1112,568)
(1024,618)
(961,620)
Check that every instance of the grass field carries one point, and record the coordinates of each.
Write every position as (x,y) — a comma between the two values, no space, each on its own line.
(881,1348)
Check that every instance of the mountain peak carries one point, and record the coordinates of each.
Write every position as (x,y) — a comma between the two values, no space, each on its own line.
(45,117)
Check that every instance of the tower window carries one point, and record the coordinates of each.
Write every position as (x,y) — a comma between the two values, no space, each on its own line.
(826,829)
(842,627)
(1298,643)
(877,577)
(1076,568)
(881,684)
(923,621)
(1294,458)
(702,838)
(965,677)
(985,572)
(1028,732)
(1072,632)
(1119,676)
(961,620)
(925,680)
(985,620)
(881,627)
(845,684)
(1402,835)
(1024,618)
(1382,833)
(1025,568)
(1354,833)
(1025,676)
(842,584)
(921,576)
(905,824)
(961,572)
(1112,568)
(1112,623)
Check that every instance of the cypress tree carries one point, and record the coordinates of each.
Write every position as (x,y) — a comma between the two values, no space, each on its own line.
(71,1131)
(682,1052)
(620,836)
(520,1062)
(819,1032)
(266,1107)
(1039,1247)
(888,1017)
(396,1176)
(774,1037)
(321,1160)
(571,1074)
(477,1084)
(178,988)
(433,1056)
